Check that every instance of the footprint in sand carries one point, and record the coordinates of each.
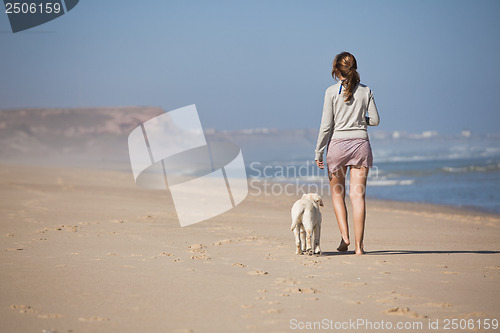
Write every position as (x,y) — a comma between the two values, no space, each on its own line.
(196,248)
(403,311)
(239,265)
(72,228)
(201,257)
(23,308)
(312,263)
(258,273)
(438,305)
(254,240)
(222,242)
(297,290)
(349,284)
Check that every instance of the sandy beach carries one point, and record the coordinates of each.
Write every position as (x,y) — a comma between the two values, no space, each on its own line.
(89,251)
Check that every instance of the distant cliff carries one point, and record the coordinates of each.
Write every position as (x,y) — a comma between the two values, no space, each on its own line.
(98,137)
(76,136)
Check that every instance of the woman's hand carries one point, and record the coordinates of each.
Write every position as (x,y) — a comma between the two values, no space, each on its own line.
(320,165)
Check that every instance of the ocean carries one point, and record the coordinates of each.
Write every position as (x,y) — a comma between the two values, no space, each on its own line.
(456,171)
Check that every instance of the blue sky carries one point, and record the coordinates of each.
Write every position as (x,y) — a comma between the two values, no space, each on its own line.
(432,65)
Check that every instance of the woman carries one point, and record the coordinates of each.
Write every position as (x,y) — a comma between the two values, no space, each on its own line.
(349,107)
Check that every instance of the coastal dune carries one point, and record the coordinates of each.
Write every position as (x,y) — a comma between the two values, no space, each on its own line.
(89,251)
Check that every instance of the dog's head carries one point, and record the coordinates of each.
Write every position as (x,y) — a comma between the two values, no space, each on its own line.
(314,198)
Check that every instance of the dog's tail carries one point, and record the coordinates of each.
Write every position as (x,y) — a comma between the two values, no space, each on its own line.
(297,213)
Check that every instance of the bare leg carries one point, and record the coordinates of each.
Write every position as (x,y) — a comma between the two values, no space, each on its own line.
(337,188)
(357,195)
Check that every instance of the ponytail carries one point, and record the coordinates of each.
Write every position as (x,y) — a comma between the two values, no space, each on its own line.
(345,65)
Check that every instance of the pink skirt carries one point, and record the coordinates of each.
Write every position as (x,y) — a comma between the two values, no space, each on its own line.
(346,152)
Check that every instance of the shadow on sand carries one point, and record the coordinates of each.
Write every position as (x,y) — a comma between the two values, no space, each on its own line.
(393,252)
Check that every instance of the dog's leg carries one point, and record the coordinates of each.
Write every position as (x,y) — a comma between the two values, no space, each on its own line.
(296,232)
(303,239)
(309,244)
(317,235)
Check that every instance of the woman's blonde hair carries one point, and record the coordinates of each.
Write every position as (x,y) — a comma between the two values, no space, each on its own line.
(345,65)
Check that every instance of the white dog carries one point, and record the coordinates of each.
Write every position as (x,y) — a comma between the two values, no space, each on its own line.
(306,223)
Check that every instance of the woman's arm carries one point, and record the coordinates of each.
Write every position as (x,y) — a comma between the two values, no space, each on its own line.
(326,127)
(373,118)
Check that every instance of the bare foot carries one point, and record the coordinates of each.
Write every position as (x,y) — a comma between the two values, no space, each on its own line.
(360,251)
(343,245)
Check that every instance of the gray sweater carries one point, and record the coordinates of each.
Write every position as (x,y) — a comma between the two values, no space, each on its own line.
(346,119)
